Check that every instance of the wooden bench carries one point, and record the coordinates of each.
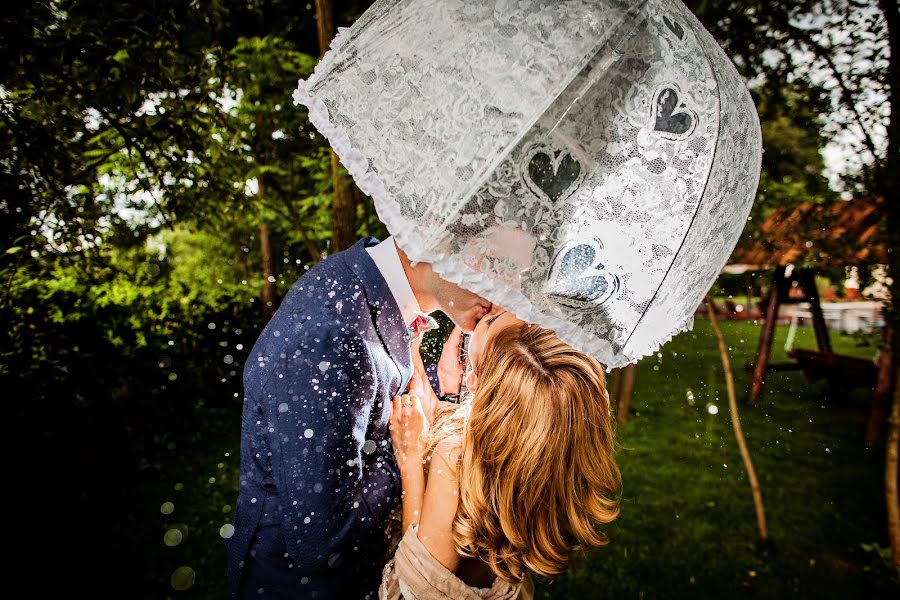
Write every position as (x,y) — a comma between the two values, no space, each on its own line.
(842,372)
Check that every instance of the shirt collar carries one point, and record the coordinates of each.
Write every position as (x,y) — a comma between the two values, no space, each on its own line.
(386,258)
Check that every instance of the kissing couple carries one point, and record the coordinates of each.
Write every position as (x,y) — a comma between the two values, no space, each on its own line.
(357,481)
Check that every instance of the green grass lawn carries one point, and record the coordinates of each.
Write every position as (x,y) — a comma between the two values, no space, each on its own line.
(687,527)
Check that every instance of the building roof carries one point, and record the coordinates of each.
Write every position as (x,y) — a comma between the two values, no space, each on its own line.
(844,232)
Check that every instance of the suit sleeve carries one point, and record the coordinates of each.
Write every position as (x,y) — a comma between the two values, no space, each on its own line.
(337,487)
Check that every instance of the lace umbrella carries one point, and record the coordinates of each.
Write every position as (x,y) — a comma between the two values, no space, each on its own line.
(587,164)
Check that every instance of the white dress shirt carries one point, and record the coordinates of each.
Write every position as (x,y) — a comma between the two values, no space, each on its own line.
(386,258)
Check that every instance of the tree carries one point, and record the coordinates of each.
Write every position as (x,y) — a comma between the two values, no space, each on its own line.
(268,146)
(344,191)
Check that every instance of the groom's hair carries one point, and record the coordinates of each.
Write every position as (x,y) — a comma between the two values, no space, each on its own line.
(536,468)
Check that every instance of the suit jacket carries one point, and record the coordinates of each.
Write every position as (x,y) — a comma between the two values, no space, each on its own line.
(318,477)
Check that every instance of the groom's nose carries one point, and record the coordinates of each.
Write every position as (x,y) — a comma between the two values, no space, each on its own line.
(490,309)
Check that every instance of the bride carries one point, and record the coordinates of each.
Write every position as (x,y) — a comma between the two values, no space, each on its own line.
(510,482)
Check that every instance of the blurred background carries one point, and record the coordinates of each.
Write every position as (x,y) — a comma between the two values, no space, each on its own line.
(159,192)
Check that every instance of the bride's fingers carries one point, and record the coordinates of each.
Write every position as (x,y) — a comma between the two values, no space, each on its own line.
(454,339)
(396,411)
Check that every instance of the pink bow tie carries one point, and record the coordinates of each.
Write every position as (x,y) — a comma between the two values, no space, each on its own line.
(420,325)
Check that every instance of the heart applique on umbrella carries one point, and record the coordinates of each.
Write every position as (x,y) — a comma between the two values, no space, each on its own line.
(588,165)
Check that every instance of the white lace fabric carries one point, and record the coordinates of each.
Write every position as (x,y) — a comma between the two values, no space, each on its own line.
(588,164)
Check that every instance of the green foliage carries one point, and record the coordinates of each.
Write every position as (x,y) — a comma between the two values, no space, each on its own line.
(812,85)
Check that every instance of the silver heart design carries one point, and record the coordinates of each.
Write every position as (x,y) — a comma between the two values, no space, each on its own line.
(674,26)
(580,281)
(670,118)
(551,173)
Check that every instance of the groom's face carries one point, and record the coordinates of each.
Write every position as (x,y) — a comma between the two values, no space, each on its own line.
(462,306)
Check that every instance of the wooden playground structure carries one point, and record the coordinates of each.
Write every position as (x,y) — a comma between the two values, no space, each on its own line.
(795,242)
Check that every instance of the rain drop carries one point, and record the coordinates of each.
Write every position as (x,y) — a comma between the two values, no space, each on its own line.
(183,578)
(173,537)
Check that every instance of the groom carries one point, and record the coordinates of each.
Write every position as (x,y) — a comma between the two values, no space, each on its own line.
(318,478)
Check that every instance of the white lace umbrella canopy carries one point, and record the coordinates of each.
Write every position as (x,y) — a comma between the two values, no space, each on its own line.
(587,164)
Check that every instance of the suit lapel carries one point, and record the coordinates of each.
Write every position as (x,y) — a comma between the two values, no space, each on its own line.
(383,307)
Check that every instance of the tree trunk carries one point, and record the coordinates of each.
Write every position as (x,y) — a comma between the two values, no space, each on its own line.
(890,183)
(269,293)
(880,405)
(891,474)
(269,299)
(343,208)
(343,205)
(736,423)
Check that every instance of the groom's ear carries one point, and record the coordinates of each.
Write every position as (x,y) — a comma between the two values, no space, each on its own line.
(472,380)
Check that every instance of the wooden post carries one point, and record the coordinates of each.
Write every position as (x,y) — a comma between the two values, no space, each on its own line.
(615,385)
(882,395)
(627,393)
(808,283)
(766,337)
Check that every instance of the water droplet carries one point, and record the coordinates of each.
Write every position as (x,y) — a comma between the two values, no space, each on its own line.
(308,433)
(168,508)
(283,407)
(712,409)
(226,531)
(183,578)
(173,537)
(323,366)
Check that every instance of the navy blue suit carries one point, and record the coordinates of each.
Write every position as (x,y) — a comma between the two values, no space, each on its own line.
(318,476)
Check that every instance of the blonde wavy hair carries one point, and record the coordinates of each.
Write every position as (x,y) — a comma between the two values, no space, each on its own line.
(536,464)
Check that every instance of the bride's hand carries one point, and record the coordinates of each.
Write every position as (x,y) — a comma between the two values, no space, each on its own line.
(449,368)
(408,425)
(419,384)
